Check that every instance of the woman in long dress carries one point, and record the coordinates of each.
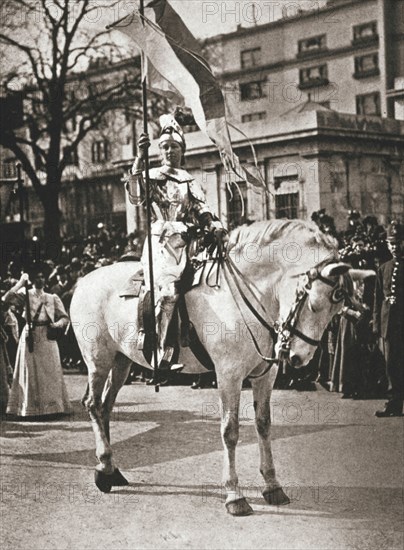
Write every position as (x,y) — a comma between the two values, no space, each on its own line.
(38,387)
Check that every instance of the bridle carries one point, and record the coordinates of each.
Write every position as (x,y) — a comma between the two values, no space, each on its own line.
(286,330)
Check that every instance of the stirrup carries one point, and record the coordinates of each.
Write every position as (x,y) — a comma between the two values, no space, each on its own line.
(165,363)
(176,367)
(140,340)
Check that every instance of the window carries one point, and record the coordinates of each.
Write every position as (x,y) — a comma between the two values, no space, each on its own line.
(253,116)
(367,32)
(9,169)
(368,104)
(311,45)
(250,58)
(252,90)
(189,128)
(235,204)
(314,76)
(286,197)
(96,88)
(100,151)
(367,65)
(287,206)
(73,158)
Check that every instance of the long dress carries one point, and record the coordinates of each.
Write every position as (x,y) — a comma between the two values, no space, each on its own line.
(38,387)
(4,366)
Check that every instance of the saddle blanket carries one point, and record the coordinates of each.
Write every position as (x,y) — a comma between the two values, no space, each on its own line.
(133,286)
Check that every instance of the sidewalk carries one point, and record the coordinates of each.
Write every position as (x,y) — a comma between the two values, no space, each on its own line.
(341,467)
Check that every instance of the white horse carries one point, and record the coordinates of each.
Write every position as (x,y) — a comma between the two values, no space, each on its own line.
(278,274)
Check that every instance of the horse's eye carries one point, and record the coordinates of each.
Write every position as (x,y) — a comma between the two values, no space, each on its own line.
(337,295)
(311,307)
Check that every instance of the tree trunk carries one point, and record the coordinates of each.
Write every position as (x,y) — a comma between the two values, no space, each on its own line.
(50,202)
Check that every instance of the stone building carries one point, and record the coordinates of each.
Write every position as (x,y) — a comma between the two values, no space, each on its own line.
(320,95)
(316,93)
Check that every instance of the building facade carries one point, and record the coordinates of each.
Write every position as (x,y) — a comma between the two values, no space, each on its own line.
(319,94)
(347,56)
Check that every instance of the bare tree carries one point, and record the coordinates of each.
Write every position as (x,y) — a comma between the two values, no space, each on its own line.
(51,43)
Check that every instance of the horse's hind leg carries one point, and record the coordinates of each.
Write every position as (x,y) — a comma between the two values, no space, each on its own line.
(229,391)
(262,388)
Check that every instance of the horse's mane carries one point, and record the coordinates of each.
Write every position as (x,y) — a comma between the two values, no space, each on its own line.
(265,232)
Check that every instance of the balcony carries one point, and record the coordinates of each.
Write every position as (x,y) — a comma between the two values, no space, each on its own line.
(306,54)
(371,39)
(366,74)
(314,83)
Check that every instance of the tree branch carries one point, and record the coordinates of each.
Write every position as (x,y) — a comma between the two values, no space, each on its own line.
(28,52)
(25,162)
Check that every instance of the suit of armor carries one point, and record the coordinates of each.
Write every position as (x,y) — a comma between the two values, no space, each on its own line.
(179,204)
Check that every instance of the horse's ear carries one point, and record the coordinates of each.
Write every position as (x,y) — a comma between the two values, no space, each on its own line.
(361,274)
(334,270)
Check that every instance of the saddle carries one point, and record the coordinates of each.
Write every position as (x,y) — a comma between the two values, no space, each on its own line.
(181,332)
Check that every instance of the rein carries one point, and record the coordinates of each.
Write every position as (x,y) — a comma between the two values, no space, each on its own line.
(232,271)
(285,330)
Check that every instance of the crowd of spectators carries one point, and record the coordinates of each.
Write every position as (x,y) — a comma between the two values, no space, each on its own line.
(71,259)
(348,360)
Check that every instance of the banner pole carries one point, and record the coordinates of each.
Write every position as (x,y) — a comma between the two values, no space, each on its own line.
(149,219)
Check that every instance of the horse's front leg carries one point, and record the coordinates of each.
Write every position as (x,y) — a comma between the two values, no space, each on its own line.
(116,379)
(106,475)
(262,388)
(229,392)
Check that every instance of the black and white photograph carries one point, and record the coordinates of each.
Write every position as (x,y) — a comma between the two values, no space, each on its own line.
(202,274)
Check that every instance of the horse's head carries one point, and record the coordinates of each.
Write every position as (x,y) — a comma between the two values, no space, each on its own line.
(304,314)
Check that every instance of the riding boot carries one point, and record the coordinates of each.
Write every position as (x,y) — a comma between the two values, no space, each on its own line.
(165,353)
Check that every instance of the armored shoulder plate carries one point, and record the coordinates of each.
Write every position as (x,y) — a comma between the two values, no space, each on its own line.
(156,174)
(196,191)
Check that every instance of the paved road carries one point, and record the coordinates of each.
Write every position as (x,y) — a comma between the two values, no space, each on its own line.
(341,467)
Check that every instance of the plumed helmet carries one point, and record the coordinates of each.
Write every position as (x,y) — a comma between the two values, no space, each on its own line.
(171,131)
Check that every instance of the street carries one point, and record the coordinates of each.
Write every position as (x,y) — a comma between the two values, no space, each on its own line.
(341,467)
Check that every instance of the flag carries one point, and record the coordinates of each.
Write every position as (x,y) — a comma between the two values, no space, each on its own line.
(177,68)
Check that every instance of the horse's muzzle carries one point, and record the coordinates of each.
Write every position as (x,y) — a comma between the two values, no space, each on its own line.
(295,361)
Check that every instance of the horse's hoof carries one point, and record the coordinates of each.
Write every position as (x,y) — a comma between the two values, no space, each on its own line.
(103,481)
(118,480)
(276,497)
(239,507)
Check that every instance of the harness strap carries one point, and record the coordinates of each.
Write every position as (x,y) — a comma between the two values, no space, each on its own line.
(263,322)
(251,285)
(303,337)
(325,280)
(271,330)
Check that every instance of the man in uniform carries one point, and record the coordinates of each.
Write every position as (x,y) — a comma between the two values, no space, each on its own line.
(388,318)
(178,204)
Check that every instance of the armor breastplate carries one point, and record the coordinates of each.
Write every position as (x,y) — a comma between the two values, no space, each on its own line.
(173,200)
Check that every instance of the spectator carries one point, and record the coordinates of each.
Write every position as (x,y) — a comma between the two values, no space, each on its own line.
(38,388)
(5,367)
(388,319)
